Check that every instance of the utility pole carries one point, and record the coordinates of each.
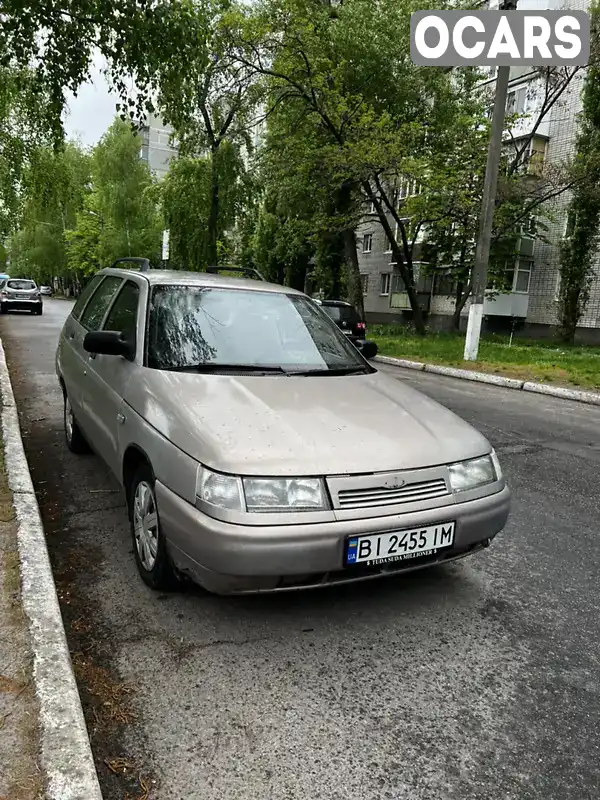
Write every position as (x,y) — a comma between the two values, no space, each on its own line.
(488,202)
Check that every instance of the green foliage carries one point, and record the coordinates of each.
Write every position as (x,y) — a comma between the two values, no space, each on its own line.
(579,248)
(23,128)
(83,241)
(54,186)
(187,197)
(209,101)
(125,198)
(81,211)
(59,40)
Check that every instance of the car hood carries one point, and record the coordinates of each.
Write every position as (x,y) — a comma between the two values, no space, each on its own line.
(280,425)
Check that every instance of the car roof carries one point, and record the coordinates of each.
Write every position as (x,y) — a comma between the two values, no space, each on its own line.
(180,277)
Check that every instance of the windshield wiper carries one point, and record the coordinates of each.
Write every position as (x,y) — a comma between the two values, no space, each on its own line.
(235,368)
(334,371)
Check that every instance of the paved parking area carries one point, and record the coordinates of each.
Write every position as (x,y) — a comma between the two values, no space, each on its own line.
(476,681)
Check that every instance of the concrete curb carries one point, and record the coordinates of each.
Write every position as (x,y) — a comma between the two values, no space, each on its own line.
(590,398)
(66,755)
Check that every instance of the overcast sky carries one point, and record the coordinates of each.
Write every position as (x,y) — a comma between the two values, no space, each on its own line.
(93,109)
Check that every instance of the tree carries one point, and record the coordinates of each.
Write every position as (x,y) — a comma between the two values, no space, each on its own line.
(348,70)
(579,248)
(23,128)
(53,188)
(209,102)
(125,197)
(83,241)
(57,40)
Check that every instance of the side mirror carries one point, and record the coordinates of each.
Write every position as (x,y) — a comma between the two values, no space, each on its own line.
(108,343)
(367,348)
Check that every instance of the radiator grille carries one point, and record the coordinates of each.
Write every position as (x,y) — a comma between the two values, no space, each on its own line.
(375,497)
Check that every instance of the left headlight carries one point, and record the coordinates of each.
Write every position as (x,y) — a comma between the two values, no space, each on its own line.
(474,473)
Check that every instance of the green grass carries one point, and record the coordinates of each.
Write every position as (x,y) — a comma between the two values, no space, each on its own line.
(546,362)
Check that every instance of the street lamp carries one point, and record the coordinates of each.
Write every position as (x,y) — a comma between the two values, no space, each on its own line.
(486,219)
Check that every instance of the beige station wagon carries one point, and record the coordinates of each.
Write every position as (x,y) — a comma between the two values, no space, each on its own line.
(259,449)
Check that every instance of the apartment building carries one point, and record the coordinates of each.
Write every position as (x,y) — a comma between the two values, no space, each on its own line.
(531,304)
(157,149)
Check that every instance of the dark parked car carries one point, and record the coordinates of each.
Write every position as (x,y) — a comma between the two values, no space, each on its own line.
(20,294)
(346,317)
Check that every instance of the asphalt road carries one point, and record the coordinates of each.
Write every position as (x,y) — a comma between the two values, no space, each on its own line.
(474,681)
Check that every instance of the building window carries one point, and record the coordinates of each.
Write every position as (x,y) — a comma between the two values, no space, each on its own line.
(529,227)
(388,244)
(523,275)
(364,282)
(372,209)
(385,283)
(515,101)
(367,244)
(397,284)
(409,187)
(537,155)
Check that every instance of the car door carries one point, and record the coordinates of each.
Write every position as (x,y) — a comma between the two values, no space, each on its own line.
(107,376)
(69,364)
(91,320)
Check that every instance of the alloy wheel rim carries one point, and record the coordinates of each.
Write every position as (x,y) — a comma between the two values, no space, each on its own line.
(145,525)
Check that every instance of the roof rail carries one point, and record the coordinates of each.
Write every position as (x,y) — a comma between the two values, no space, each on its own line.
(214,270)
(143,262)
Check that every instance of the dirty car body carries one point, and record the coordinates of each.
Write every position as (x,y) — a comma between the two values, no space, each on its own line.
(258,449)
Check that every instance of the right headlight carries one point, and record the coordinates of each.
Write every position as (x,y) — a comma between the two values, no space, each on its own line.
(260,495)
(474,473)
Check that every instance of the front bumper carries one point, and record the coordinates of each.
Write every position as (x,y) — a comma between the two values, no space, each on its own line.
(226,558)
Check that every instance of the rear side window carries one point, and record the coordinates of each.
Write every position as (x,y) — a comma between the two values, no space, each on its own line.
(122,316)
(96,309)
(85,296)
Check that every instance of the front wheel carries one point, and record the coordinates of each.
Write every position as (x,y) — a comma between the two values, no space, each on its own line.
(75,439)
(149,547)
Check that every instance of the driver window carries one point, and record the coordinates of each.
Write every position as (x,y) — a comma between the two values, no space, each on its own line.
(123,315)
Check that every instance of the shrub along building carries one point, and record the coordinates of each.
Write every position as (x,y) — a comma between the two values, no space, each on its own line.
(529,295)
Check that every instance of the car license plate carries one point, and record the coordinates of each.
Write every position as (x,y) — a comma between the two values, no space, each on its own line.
(347,333)
(385,548)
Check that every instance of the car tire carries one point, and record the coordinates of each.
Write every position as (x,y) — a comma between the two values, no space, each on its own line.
(3,309)
(149,546)
(76,441)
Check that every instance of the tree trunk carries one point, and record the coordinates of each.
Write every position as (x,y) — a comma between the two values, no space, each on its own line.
(570,314)
(462,295)
(354,285)
(213,215)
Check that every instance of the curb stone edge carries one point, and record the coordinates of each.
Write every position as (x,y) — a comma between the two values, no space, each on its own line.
(579,396)
(65,753)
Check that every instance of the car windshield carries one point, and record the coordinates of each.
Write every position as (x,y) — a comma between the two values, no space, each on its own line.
(342,313)
(20,284)
(197,327)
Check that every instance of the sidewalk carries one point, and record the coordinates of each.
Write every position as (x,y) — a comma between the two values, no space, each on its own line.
(45,751)
(20,775)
